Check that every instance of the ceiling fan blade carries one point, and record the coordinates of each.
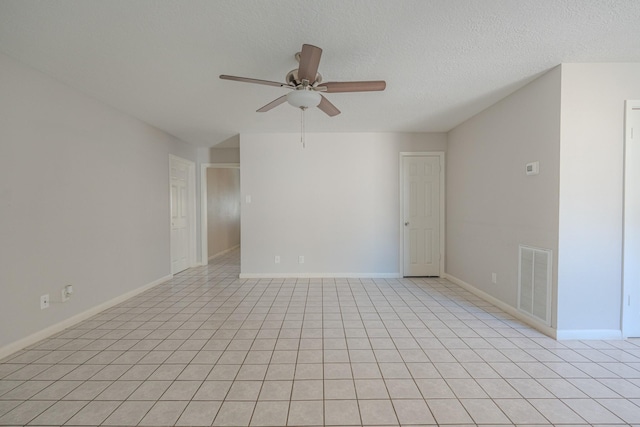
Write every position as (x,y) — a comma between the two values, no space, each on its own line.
(367,86)
(273,104)
(309,62)
(257,81)
(328,107)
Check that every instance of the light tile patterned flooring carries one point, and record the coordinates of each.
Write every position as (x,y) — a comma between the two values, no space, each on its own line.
(209,349)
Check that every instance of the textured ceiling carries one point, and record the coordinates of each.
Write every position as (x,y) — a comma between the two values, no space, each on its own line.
(443,60)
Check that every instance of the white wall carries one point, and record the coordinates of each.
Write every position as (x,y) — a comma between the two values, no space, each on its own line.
(83,201)
(590,240)
(336,202)
(492,206)
(223,210)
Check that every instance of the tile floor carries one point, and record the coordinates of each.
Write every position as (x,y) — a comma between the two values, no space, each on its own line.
(208,349)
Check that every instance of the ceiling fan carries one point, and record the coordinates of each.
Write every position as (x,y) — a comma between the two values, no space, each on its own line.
(306,84)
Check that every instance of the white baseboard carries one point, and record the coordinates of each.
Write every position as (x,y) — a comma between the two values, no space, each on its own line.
(551,332)
(588,334)
(226,251)
(61,326)
(320,275)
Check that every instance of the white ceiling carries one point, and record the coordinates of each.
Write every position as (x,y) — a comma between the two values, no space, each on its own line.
(443,60)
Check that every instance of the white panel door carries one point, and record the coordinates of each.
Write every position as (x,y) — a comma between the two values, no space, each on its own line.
(179,216)
(421,215)
(631,271)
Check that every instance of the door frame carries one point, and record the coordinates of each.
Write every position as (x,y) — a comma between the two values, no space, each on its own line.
(191,205)
(204,250)
(441,157)
(630,287)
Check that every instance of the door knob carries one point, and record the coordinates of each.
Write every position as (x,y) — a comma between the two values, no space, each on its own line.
(406,223)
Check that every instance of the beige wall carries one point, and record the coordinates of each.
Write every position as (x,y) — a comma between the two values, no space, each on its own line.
(223,209)
(336,202)
(222,155)
(572,121)
(591,195)
(84,201)
(492,205)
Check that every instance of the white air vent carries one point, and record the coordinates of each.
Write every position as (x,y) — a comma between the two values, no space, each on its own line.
(534,285)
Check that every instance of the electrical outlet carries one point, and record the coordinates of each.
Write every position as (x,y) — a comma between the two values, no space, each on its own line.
(66,292)
(276,259)
(301,259)
(44,301)
(494,278)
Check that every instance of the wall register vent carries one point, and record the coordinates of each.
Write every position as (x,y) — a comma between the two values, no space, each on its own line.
(534,284)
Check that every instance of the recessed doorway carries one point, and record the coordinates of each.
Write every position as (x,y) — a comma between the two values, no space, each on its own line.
(220,213)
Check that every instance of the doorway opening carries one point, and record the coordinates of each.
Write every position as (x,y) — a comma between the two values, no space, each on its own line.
(631,223)
(220,214)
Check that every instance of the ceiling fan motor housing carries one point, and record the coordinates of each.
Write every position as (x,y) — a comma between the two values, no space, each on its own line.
(293,80)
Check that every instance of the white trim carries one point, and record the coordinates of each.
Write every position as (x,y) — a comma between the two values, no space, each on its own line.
(226,251)
(441,156)
(629,286)
(204,238)
(73,320)
(503,306)
(588,334)
(320,275)
(191,203)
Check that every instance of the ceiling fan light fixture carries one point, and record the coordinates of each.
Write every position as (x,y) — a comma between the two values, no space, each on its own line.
(304,98)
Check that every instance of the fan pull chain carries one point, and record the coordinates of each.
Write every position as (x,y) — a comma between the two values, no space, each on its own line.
(302,132)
